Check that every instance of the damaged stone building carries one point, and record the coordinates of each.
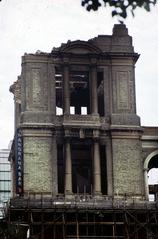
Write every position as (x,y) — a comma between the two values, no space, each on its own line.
(80,157)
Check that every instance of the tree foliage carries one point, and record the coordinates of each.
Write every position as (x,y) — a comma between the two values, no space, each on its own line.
(119,7)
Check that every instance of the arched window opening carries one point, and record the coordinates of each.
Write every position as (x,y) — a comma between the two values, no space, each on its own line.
(153,178)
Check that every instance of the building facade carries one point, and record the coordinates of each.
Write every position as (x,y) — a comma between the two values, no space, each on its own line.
(79,143)
(5,180)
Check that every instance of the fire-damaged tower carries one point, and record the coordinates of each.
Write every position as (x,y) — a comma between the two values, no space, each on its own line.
(77,156)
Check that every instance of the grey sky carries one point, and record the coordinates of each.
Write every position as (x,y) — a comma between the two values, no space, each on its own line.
(31,25)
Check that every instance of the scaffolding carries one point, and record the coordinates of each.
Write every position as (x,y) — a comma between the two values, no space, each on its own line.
(84,218)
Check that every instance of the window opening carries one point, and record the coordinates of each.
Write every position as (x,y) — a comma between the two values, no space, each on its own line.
(103,169)
(60,162)
(72,110)
(59,111)
(79,92)
(83,110)
(81,168)
(59,91)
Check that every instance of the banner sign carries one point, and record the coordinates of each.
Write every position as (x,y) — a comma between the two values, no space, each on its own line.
(19,162)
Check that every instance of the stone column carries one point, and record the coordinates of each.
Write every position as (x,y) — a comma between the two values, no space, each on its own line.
(66,90)
(68,168)
(94,96)
(96,169)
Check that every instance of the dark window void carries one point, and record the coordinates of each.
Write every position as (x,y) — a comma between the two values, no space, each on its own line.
(81,168)
(60,161)
(79,93)
(59,91)
(153,178)
(153,163)
(103,169)
(100,91)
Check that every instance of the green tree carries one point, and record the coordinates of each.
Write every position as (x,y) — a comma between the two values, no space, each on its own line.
(119,7)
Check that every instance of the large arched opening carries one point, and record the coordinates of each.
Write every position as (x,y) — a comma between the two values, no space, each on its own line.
(151,176)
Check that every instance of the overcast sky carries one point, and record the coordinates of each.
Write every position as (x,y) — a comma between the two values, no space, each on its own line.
(31,25)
